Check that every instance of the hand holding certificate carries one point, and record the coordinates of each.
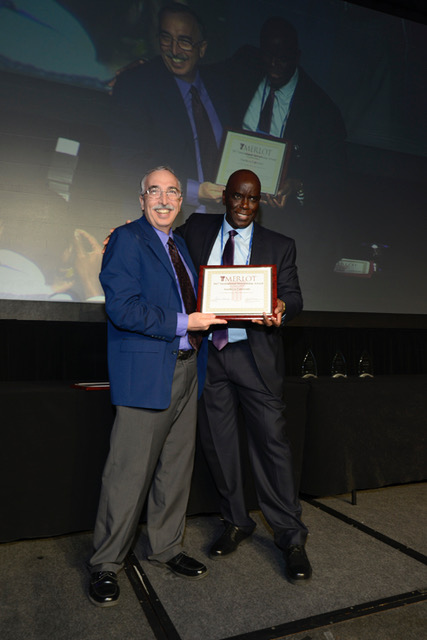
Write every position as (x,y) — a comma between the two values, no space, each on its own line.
(238,292)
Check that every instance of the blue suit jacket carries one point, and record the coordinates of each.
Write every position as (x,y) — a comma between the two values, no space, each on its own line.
(142,300)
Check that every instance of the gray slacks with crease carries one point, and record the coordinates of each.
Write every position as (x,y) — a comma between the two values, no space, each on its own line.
(151,457)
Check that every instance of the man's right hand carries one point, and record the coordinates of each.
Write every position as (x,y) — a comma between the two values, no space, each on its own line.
(202,321)
(88,262)
(211,191)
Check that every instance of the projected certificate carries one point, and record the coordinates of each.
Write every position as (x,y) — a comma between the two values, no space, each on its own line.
(266,156)
(238,292)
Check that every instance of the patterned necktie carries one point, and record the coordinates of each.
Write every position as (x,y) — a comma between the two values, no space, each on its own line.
(187,291)
(264,123)
(220,336)
(205,135)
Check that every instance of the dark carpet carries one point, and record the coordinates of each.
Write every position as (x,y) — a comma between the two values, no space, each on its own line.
(369,581)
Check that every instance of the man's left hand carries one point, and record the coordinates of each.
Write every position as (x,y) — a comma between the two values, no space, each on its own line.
(276,319)
(290,187)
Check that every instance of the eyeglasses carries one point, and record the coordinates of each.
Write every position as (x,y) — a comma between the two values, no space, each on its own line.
(156,192)
(183,42)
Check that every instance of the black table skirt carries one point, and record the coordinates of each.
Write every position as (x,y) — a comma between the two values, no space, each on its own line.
(365,433)
(349,434)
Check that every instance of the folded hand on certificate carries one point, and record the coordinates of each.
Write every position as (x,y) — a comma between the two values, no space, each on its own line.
(276,319)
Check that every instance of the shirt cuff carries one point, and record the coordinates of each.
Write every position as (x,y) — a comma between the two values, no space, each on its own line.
(192,194)
(181,324)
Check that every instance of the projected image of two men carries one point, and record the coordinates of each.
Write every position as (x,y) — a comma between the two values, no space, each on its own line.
(322,100)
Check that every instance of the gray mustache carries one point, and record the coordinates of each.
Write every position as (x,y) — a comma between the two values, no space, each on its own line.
(163,206)
(180,56)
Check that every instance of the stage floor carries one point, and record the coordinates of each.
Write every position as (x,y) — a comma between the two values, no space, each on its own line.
(369,581)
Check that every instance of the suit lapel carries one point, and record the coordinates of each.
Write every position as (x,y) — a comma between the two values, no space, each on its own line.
(184,252)
(209,237)
(155,246)
(257,253)
(170,94)
(295,107)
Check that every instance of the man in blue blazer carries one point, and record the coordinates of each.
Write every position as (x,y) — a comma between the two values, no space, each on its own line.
(149,279)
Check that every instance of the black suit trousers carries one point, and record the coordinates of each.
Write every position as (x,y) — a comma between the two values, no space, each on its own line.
(233,380)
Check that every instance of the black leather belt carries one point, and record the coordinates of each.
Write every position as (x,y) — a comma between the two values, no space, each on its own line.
(185,354)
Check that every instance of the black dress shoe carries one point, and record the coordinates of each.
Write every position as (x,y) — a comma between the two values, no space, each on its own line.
(297,564)
(103,589)
(228,542)
(187,567)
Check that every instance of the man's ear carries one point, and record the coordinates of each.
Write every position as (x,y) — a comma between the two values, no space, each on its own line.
(141,200)
(223,197)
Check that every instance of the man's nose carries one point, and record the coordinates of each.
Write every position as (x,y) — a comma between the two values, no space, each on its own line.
(278,63)
(174,47)
(245,202)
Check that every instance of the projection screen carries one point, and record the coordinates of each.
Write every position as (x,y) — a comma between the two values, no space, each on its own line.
(71,159)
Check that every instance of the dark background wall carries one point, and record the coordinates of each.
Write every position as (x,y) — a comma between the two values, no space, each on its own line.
(76,351)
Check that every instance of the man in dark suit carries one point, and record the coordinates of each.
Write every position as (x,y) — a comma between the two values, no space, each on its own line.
(148,279)
(249,372)
(275,96)
(162,102)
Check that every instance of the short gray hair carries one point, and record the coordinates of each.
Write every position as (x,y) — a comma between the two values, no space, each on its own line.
(161,168)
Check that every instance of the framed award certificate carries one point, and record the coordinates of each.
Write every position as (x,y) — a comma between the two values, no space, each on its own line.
(266,156)
(238,292)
